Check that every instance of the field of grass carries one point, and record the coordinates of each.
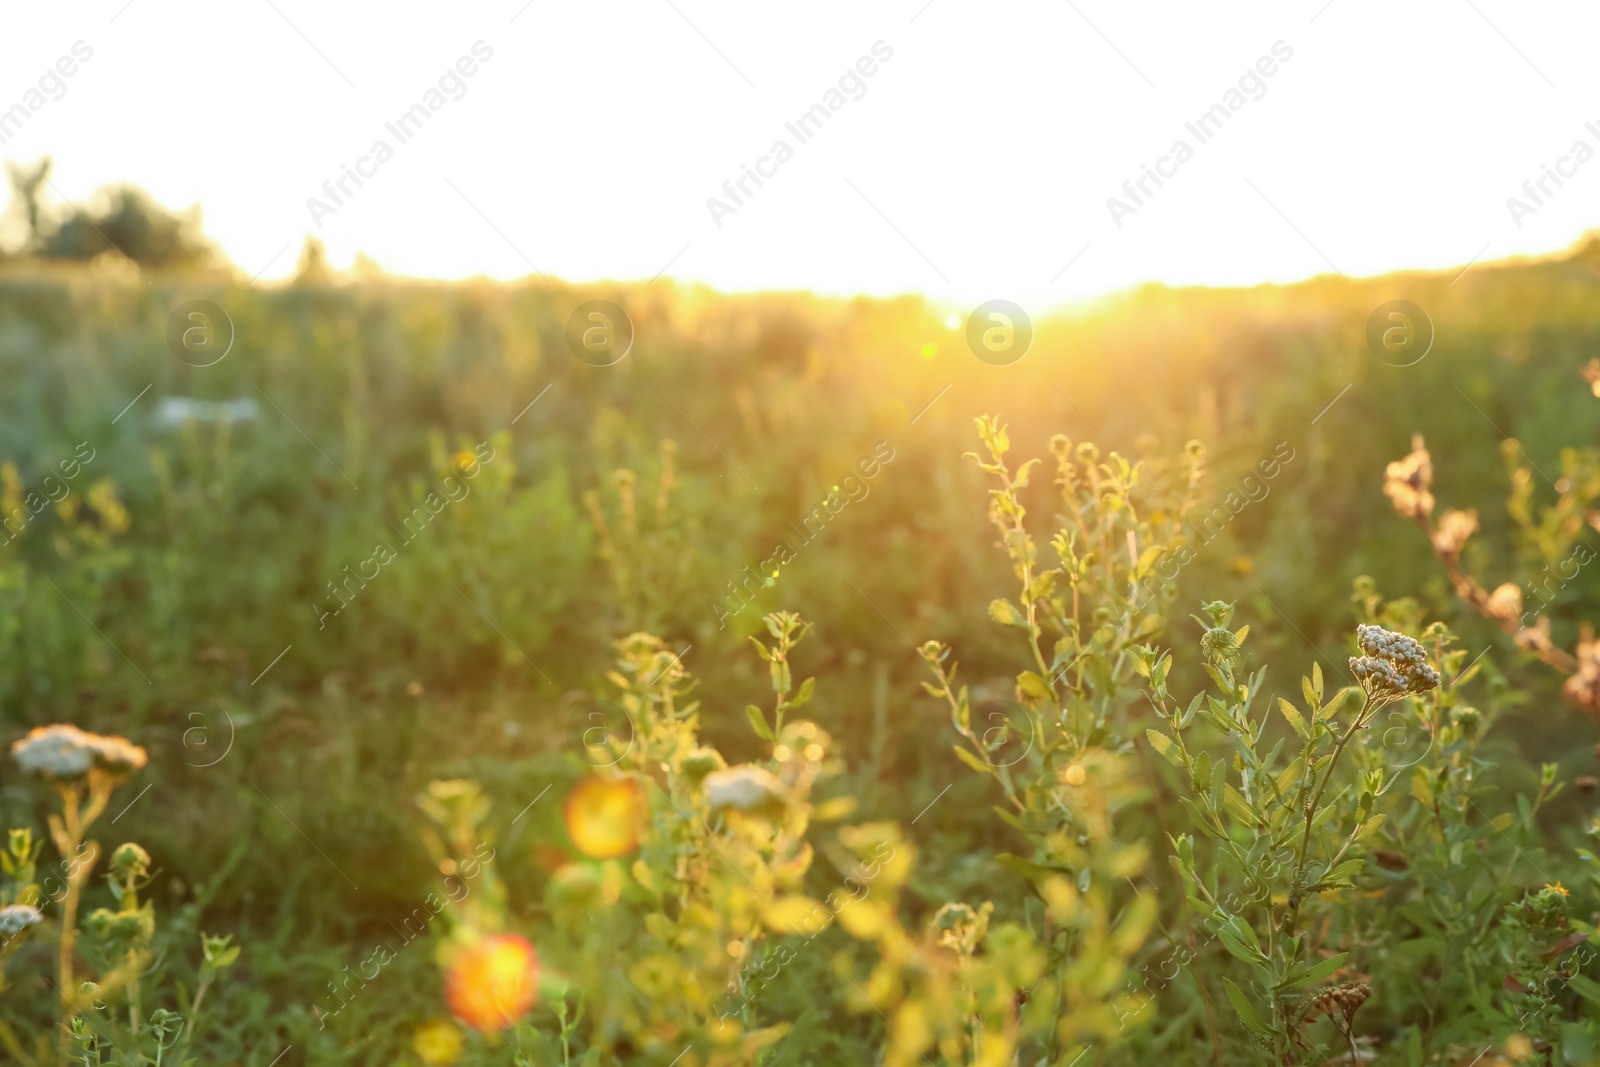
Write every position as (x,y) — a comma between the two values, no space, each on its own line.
(380,624)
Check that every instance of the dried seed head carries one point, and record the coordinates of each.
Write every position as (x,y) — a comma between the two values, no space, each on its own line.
(1408,483)
(1455,527)
(1582,690)
(1342,1001)
(1504,605)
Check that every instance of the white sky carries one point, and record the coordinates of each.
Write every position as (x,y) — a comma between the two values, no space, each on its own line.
(990,141)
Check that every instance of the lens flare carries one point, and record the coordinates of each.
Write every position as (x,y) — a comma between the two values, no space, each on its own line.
(493,983)
(605,816)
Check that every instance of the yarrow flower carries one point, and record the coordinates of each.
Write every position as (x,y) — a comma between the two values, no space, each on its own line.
(1392,666)
(62,751)
(17,918)
(743,787)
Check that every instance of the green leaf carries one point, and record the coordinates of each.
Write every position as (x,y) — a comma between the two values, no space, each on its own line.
(1317,973)
(1163,744)
(1316,681)
(1585,988)
(804,693)
(1201,773)
(1238,807)
(1198,816)
(1005,613)
(1296,720)
(972,761)
(1034,872)
(1309,691)
(1337,702)
(1247,1014)
(1345,871)
(758,722)
(1236,948)
(761,649)
(1032,687)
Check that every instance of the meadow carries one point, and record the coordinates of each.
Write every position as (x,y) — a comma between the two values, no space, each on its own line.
(496,707)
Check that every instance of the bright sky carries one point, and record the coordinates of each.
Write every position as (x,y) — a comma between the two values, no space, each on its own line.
(975,164)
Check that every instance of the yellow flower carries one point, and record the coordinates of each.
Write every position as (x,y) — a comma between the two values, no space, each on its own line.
(493,983)
(1558,888)
(438,1042)
(605,816)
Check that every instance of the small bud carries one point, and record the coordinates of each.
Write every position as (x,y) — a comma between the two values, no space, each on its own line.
(130,861)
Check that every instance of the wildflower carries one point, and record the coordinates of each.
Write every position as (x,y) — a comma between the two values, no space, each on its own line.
(959,926)
(1342,1001)
(63,751)
(744,787)
(493,983)
(701,762)
(1582,690)
(17,918)
(1468,719)
(1408,483)
(1393,665)
(1558,888)
(1504,605)
(122,931)
(437,1042)
(1455,527)
(605,816)
(1591,374)
(130,861)
(1219,644)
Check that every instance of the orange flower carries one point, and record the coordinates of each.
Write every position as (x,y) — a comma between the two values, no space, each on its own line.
(1558,887)
(605,816)
(493,983)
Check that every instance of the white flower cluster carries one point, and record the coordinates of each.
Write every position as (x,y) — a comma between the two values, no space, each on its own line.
(63,751)
(1393,666)
(744,787)
(17,918)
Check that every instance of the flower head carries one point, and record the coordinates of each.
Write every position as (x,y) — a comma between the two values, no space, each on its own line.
(1455,527)
(130,861)
(1408,482)
(745,787)
(437,1042)
(1393,665)
(17,918)
(62,751)
(493,982)
(606,816)
(1582,690)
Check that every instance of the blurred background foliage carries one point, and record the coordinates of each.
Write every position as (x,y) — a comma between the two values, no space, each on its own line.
(194,552)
